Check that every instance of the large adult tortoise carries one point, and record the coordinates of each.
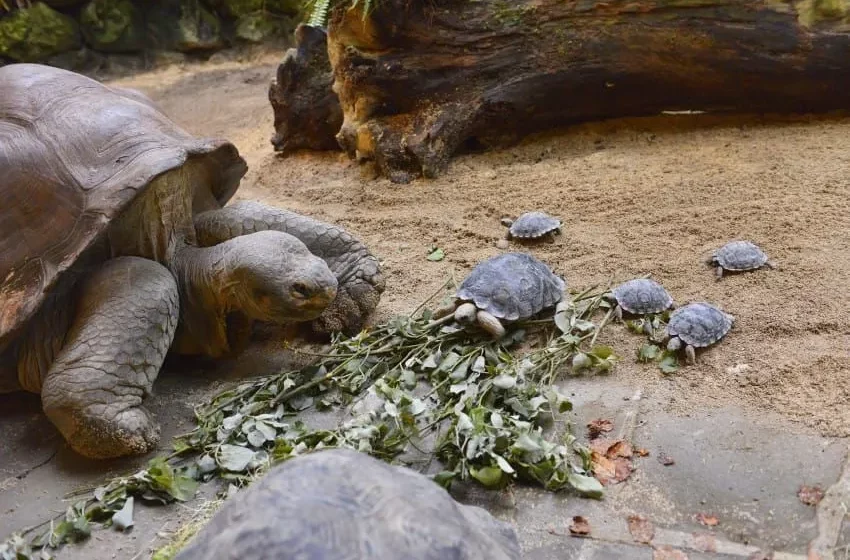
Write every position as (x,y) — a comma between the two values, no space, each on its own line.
(102,270)
(339,504)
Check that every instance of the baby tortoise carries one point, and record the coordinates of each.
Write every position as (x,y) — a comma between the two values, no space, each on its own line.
(738,256)
(640,296)
(532,225)
(696,325)
(507,287)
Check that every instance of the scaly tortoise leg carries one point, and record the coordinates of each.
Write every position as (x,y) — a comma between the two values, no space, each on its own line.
(125,321)
(358,272)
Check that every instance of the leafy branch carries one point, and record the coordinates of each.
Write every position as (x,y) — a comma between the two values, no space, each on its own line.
(413,385)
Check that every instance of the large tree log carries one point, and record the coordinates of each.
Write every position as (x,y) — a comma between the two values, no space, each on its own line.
(418,79)
(306,110)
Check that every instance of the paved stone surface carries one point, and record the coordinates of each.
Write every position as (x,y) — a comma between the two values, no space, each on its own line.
(745,469)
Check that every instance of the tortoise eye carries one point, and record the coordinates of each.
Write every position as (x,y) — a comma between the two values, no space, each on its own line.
(301,290)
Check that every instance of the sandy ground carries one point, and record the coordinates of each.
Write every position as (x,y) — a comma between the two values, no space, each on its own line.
(635,196)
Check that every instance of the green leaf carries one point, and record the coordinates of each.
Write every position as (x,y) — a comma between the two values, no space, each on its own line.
(256,438)
(234,458)
(177,485)
(436,254)
(584,326)
(525,443)
(504,381)
(488,476)
(123,518)
(449,361)
(581,361)
(503,464)
(648,353)
(587,486)
(602,352)
(563,323)
(669,363)
(445,478)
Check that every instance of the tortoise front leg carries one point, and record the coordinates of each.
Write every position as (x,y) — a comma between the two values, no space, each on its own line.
(126,317)
(358,272)
(690,354)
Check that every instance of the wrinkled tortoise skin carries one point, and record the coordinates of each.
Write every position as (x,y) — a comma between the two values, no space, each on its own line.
(512,286)
(343,505)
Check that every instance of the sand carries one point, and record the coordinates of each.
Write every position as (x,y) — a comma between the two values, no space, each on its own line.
(636,196)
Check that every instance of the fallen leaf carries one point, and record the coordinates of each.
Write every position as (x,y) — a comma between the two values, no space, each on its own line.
(641,529)
(597,427)
(622,469)
(611,460)
(604,468)
(707,520)
(665,459)
(612,448)
(705,542)
(620,449)
(642,452)
(436,254)
(580,527)
(668,553)
(810,495)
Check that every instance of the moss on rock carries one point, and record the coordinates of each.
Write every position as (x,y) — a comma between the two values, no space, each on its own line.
(36,33)
(258,27)
(112,26)
(240,8)
(184,25)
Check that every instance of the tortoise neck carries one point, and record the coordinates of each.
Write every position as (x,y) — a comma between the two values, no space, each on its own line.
(205,299)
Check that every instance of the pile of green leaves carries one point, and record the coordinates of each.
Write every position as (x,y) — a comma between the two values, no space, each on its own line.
(415,390)
(654,350)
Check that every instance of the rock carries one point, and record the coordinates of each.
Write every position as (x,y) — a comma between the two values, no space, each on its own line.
(112,26)
(63,3)
(37,33)
(257,27)
(183,25)
(238,8)
(83,60)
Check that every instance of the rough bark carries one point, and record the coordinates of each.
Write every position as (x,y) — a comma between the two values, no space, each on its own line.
(418,79)
(306,110)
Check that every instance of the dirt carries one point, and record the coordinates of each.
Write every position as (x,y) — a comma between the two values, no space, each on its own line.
(636,196)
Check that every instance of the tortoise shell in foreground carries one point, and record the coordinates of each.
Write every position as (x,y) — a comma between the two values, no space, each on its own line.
(339,504)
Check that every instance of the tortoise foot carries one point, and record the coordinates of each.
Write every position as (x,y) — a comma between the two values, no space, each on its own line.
(94,390)
(690,354)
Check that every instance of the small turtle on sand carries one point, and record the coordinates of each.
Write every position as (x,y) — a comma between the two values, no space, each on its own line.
(640,296)
(738,256)
(507,287)
(532,225)
(696,325)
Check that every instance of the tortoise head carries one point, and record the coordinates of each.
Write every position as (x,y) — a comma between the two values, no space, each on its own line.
(272,276)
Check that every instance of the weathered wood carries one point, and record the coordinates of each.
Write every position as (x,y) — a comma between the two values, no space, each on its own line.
(418,79)
(306,110)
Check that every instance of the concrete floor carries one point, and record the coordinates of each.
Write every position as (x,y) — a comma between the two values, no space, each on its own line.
(741,468)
